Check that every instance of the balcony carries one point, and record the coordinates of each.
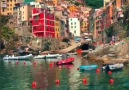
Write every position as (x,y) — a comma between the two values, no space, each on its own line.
(38,29)
(37,11)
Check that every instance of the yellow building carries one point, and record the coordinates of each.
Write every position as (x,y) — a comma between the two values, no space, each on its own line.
(57,28)
(23,14)
(38,0)
(8,5)
(106,1)
(55,2)
(84,27)
(72,8)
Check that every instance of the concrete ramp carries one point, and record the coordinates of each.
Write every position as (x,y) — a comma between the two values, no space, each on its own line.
(70,48)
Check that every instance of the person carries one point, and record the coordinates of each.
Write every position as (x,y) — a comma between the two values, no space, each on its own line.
(65,56)
(107,68)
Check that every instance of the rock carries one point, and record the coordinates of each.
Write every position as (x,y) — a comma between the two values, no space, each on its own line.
(126,56)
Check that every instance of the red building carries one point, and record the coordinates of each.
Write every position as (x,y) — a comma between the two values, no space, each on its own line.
(43,23)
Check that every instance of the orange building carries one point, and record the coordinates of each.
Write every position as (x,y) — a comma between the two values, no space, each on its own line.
(72,8)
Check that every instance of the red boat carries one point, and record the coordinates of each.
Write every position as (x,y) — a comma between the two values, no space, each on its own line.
(67,61)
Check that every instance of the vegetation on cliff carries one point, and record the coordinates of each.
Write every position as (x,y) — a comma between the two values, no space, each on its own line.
(7,35)
(94,3)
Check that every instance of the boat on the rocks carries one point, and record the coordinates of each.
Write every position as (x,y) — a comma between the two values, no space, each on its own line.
(88,67)
(25,57)
(67,61)
(113,67)
(47,56)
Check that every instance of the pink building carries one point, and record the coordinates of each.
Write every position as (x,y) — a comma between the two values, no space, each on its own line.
(43,23)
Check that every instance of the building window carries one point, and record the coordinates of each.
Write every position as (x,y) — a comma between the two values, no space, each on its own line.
(71,26)
(75,31)
(71,19)
(75,23)
(10,0)
(71,23)
(75,27)
(7,0)
(46,21)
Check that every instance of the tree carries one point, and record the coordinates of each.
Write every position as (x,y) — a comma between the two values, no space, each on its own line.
(4,20)
(7,33)
(94,3)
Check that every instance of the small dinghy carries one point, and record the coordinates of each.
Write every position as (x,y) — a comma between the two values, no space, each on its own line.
(88,67)
(47,56)
(25,57)
(67,61)
(113,67)
(53,55)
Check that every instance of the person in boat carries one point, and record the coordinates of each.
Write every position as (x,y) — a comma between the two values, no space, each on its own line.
(65,56)
(107,68)
(27,50)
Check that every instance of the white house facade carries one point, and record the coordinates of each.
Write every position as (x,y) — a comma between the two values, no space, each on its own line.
(74,26)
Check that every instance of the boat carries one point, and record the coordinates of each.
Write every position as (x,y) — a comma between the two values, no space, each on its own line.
(39,57)
(88,67)
(52,55)
(47,56)
(72,53)
(113,67)
(25,57)
(67,61)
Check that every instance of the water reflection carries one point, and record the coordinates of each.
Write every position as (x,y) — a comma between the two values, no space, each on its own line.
(20,77)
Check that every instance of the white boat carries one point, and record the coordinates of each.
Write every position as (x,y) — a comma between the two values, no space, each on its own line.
(25,57)
(47,56)
(39,57)
(113,67)
(52,55)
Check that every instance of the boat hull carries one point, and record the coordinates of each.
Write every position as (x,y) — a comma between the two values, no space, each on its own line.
(26,57)
(89,67)
(113,67)
(67,61)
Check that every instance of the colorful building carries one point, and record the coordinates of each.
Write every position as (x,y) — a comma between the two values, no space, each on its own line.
(57,27)
(23,14)
(84,26)
(8,5)
(74,26)
(72,8)
(98,25)
(43,23)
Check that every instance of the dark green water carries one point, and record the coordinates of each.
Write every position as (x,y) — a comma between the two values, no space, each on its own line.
(20,77)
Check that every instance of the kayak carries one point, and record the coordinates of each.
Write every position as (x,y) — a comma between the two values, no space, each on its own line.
(88,67)
(67,61)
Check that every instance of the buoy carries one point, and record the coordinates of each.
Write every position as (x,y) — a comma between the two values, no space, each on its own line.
(51,65)
(34,85)
(24,62)
(17,62)
(97,71)
(57,82)
(109,73)
(9,61)
(60,67)
(111,81)
(35,63)
(84,81)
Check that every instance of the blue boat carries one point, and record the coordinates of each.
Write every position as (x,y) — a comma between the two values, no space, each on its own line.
(88,67)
